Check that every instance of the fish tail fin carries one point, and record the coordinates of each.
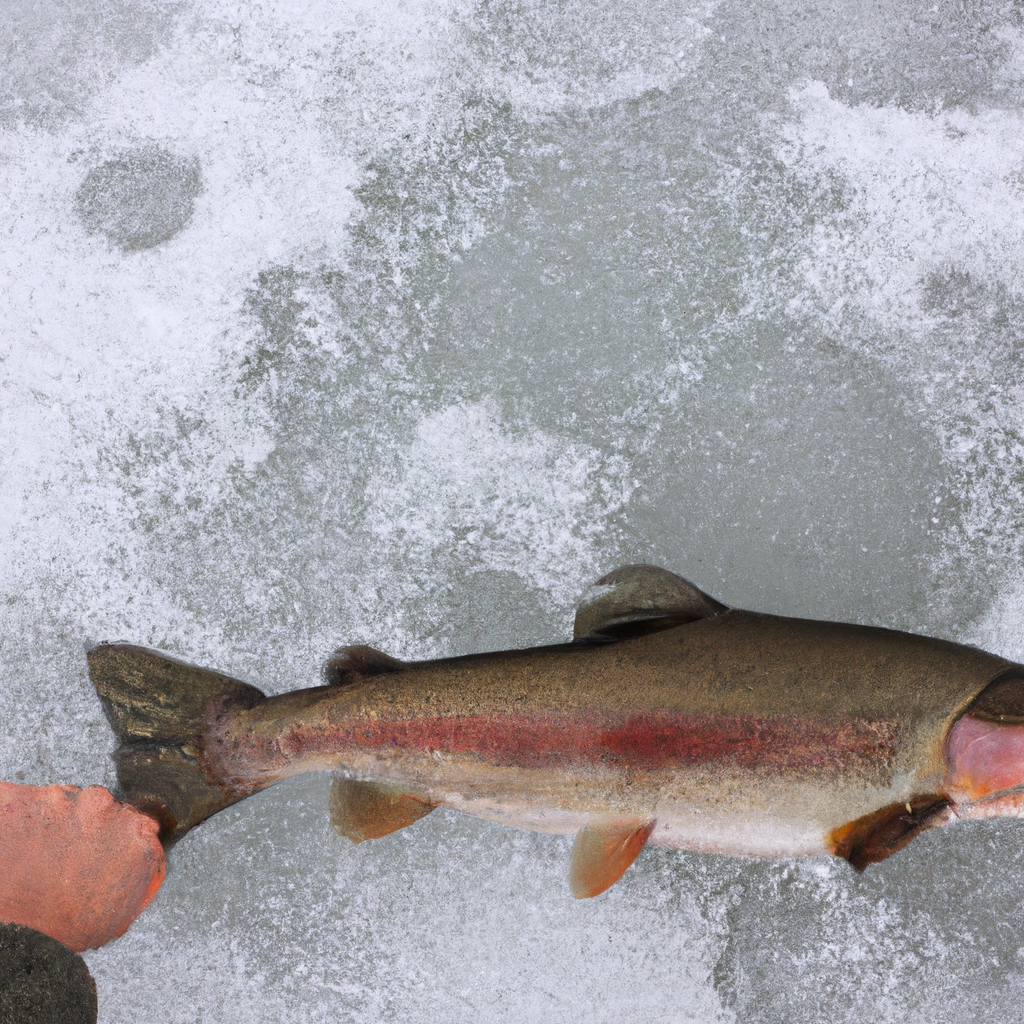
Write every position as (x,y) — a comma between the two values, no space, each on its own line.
(156,706)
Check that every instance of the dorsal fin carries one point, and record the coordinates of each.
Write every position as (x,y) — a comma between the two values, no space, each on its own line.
(601,854)
(370,810)
(637,599)
(349,664)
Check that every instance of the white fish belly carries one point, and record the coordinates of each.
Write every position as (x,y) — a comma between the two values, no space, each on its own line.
(732,813)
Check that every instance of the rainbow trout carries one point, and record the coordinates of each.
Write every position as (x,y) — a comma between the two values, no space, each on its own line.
(669,719)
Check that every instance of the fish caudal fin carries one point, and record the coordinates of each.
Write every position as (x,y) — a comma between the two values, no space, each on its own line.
(156,706)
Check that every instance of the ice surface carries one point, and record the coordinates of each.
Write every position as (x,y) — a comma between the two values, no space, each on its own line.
(401,323)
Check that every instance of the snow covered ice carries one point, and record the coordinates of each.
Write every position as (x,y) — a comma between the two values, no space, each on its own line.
(401,323)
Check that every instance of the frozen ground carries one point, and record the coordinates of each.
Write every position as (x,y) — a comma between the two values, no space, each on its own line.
(400,323)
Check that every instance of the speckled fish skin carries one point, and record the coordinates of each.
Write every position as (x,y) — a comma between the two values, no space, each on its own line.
(741,733)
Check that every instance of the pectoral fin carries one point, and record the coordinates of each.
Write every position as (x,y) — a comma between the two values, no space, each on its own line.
(878,835)
(369,810)
(637,599)
(601,854)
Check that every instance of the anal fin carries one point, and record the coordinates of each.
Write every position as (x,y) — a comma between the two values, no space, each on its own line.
(873,837)
(601,854)
(370,810)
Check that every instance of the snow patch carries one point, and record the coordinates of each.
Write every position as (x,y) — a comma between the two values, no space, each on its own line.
(503,497)
(929,192)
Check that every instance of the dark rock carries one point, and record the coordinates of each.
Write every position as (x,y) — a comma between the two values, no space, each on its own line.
(42,981)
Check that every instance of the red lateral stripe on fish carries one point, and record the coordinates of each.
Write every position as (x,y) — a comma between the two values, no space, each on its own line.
(651,741)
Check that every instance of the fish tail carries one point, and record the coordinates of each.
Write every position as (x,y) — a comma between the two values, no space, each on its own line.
(156,706)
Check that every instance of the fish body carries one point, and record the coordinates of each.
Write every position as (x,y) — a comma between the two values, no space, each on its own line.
(670,719)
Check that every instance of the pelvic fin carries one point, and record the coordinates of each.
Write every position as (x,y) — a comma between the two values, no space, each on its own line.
(602,853)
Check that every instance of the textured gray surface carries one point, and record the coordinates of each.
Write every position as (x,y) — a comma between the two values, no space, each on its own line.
(400,323)
(140,197)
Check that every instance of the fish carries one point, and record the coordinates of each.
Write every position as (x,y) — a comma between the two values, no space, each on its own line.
(669,719)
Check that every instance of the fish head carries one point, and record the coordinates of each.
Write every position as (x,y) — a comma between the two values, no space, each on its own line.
(985,748)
